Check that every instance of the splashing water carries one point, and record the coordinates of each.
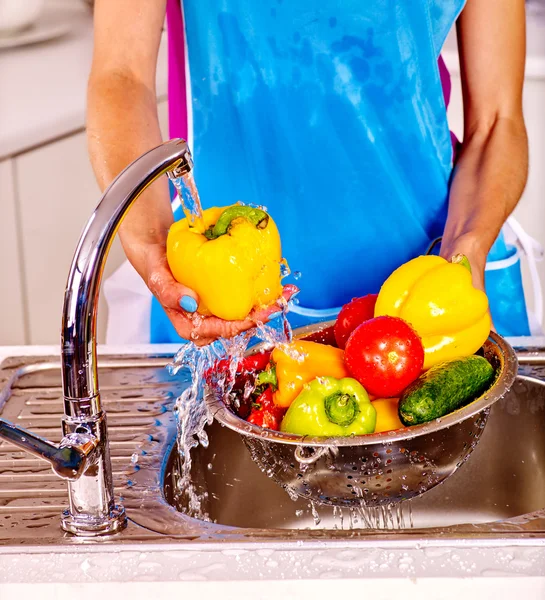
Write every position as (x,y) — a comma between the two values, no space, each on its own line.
(284,268)
(315,515)
(192,417)
(394,516)
(191,410)
(391,517)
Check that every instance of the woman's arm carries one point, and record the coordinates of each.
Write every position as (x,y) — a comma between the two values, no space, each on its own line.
(122,124)
(491,172)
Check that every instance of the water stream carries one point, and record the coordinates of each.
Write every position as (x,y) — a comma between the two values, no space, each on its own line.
(188,195)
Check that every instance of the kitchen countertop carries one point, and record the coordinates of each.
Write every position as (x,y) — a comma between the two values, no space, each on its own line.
(44,85)
(498,588)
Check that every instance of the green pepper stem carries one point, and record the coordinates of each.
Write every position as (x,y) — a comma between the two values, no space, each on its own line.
(461,259)
(257,217)
(341,409)
(267,377)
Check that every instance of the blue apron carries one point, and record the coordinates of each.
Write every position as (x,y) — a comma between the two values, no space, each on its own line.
(332,116)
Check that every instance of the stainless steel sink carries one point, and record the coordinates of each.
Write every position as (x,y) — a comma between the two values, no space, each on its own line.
(504,478)
(498,495)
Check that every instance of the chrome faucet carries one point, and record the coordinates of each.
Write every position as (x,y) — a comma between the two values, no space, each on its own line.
(83,456)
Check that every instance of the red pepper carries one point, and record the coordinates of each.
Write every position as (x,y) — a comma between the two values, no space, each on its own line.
(265,412)
(245,375)
(249,364)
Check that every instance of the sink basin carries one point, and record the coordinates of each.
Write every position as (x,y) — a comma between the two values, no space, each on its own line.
(497,496)
(504,478)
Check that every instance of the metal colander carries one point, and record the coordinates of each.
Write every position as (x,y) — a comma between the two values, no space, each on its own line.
(377,469)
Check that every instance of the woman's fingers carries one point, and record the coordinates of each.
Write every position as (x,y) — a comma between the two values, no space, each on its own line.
(211,328)
(263,315)
(170,293)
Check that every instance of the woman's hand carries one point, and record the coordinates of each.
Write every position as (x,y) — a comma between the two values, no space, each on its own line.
(475,252)
(181,303)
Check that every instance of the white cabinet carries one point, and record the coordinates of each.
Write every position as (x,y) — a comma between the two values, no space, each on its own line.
(56,195)
(12,322)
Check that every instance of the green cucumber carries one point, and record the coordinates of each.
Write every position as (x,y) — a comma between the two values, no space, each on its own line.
(444,388)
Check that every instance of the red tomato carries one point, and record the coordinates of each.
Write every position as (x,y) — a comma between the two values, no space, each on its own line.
(353,314)
(385,355)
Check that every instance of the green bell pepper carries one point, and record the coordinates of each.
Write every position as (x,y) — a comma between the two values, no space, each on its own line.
(329,407)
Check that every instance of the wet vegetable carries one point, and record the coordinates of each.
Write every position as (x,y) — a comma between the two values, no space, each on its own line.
(353,314)
(438,299)
(298,363)
(265,413)
(329,407)
(249,364)
(231,260)
(385,355)
(246,372)
(387,414)
(444,388)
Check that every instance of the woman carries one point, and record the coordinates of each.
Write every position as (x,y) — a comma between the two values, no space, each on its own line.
(332,115)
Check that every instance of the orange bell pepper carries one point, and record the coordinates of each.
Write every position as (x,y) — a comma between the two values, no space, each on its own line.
(298,363)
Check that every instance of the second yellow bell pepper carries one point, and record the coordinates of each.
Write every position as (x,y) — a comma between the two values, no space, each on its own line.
(437,298)
(300,362)
(387,414)
(231,260)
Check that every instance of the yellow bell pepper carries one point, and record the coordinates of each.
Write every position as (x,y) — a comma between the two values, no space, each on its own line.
(299,363)
(387,414)
(438,300)
(231,259)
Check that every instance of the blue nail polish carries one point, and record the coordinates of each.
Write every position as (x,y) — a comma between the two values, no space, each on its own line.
(188,303)
(275,315)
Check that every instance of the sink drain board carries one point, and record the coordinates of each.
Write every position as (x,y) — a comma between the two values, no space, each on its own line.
(136,393)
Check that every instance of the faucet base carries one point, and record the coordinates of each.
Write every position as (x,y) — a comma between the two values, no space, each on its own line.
(83,527)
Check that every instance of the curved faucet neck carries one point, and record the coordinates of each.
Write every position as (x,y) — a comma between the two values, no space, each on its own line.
(78,333)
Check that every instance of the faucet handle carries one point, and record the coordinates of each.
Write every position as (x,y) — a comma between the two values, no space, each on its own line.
(69,459)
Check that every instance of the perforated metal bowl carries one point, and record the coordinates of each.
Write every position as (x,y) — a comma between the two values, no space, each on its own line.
(377,469)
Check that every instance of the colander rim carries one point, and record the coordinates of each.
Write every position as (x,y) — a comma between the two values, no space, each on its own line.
(506,376)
